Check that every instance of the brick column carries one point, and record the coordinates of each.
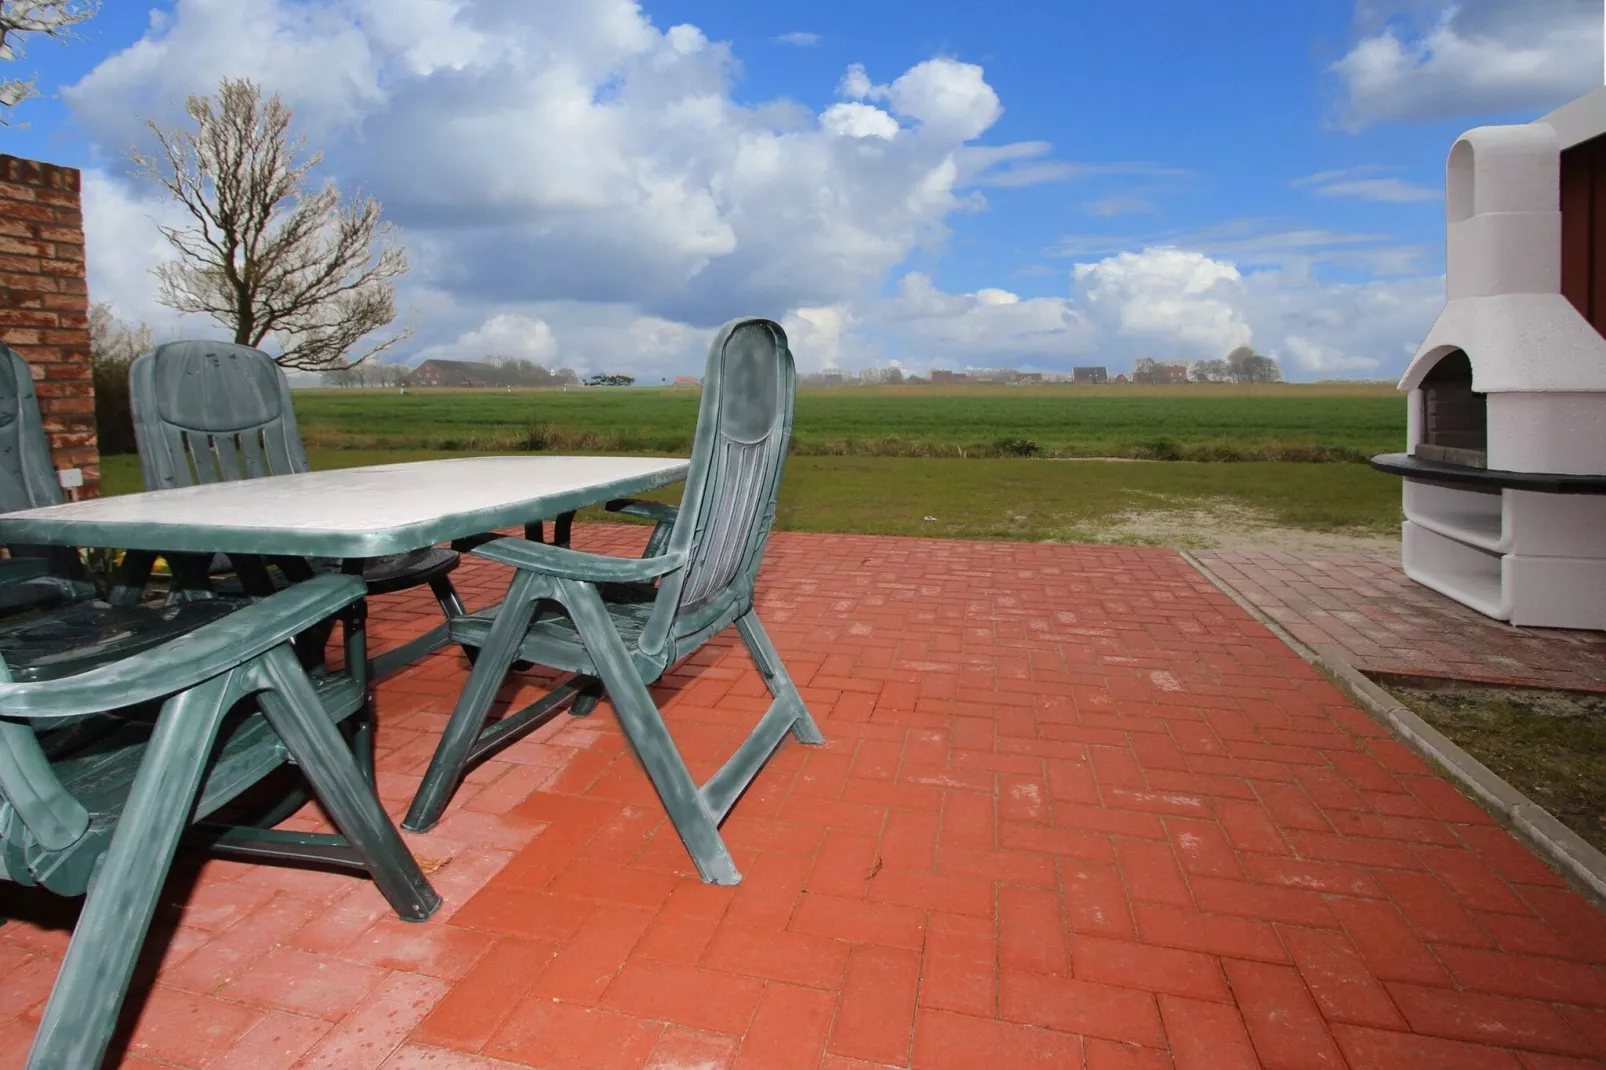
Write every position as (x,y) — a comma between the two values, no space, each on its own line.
(44,304)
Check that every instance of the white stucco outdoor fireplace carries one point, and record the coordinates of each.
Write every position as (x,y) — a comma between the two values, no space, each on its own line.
(1505,468)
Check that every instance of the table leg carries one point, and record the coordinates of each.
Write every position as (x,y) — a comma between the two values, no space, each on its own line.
(128,586)
(191,574)
(252,571)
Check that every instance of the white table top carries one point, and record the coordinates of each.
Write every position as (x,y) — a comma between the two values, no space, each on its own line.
(349,512)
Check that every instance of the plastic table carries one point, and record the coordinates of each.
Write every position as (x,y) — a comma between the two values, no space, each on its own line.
(348,513)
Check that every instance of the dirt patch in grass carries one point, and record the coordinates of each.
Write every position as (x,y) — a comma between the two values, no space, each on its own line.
(1549,745)
(1225,524)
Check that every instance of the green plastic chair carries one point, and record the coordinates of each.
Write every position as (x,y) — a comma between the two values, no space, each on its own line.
(619,624)
(206,412)
(199,721)
(33,576)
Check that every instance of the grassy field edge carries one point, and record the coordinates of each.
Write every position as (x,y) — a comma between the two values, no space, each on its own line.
(1155,503)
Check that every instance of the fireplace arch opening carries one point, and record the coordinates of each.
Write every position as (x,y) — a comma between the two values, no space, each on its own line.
(1455,418)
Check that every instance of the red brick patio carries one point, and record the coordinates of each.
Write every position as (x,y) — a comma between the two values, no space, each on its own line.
(1077,810)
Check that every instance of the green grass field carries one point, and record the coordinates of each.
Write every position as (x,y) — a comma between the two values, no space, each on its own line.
(1011,498)
(1196,422)
(938,461)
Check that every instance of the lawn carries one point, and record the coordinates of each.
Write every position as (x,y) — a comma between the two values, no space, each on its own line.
(1549,745)
(1018,498)
(1299,422)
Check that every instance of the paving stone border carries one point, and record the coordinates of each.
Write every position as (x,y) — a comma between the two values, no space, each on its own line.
(1565,849)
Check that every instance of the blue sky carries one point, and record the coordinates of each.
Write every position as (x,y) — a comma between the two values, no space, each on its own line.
(597,184)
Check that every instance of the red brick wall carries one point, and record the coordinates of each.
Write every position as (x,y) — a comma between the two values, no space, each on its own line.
(44,304)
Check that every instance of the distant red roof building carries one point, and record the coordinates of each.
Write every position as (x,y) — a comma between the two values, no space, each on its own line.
(450,373)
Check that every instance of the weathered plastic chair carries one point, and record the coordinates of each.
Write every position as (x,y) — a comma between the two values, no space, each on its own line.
(607,620)
(33,576)
(201,720)
(206,412)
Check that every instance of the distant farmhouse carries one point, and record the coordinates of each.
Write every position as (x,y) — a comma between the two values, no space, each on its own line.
(451,373)
(1090,375)
(938,375)
(493,371)
(1152,371)
(688,380)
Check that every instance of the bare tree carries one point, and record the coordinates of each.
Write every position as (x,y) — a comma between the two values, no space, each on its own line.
(114,342)
(18,18)
(1147,370)
(1244,365)
(113,345)
(264,256)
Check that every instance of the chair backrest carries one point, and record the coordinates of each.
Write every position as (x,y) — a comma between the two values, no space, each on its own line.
(743,427)
(27,477)
(208,412)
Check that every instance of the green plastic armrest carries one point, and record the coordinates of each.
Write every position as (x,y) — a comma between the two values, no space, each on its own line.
(574,565)
(188,660)
(663,514)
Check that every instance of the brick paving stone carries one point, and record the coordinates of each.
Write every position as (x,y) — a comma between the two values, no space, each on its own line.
(1428,634)
(1076,809)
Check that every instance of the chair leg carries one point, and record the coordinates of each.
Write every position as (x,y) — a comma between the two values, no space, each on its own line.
(776,678)
(587,700)
(644,726)
(468,717)
(292,707)
(361,740)
(82,1013)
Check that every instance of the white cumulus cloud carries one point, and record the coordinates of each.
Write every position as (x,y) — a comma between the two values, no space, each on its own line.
(948,98)
(852,118)
(818,336)
(506,334)
(121,246)
(572,151)
(1310,356)
(1469,58)
(1167,293)
(989,327)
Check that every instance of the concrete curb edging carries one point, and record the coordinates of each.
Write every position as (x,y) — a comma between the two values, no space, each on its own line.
(1564,847)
